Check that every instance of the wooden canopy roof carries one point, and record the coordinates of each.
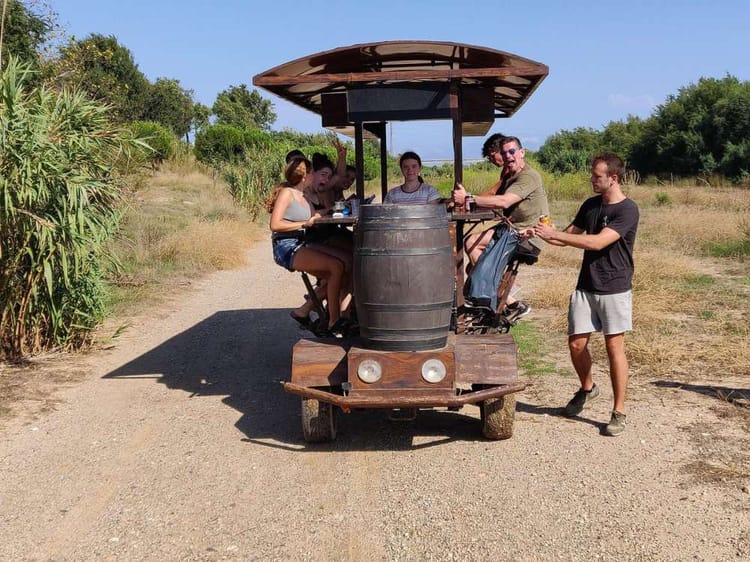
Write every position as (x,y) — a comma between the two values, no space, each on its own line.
(507,79)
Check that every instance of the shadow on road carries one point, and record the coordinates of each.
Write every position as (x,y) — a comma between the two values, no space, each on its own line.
(555,411)
(737,396)
(242,354)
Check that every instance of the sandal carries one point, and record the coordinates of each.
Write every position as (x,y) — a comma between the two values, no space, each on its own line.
(344,328)
(303,321)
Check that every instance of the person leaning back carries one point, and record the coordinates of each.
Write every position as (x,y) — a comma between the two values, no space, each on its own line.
(519,194)
(604,228)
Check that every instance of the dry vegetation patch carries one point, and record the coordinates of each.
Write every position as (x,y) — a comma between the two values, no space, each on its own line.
(181,222)
(690,311)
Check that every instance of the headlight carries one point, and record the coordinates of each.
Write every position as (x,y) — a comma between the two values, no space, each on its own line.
(433,370)
(369,371)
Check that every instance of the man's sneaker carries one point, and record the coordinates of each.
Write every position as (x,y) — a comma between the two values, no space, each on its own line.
(616,424)
(579,400)
(516,310)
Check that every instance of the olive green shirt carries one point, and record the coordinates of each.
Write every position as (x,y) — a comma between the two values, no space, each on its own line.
(527,184)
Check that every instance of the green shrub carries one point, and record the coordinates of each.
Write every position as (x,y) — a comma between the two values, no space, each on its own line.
(59,197)
(662,199)
(218,144)
(256,139)
(161,142)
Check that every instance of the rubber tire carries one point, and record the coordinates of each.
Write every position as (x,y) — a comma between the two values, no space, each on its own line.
(318,421)
(498,415)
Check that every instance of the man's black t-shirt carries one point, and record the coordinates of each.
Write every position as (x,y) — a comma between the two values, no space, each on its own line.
(609,270)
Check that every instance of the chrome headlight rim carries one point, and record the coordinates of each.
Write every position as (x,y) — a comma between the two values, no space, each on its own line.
(434,371)
(369,371)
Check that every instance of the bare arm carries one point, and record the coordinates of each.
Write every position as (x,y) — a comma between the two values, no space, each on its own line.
(486,201)
(492,190)
(497,201)
(575,237)
(339,174)
(341,162)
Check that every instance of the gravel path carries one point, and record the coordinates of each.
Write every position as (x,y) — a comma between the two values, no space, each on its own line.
(179,445)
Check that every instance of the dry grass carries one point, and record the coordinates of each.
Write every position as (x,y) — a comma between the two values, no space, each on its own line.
(181,223)
(208,246)
(689,311)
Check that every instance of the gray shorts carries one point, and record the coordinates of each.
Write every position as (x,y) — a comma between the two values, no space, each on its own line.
(609,314)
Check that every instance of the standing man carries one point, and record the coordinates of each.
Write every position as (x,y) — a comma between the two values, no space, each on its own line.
(519,194)
(604,228)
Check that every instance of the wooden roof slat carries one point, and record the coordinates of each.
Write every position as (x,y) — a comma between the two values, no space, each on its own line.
(396,76)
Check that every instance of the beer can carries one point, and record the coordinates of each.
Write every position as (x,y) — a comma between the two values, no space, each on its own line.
(470,204)
(544,219)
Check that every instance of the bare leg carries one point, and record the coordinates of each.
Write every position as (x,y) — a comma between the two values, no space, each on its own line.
(326,267)
(618,368)
(305,309)
(581,359)
(476,243)
(346,255)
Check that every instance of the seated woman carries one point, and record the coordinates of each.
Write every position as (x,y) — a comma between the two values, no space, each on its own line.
(414,190)
(328,185)
(291,212)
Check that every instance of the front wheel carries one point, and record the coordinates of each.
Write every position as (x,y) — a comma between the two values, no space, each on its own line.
(498,415)
(318,421)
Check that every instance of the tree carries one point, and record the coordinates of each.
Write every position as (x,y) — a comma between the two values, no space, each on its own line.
(570,151)
(171,105)
(239,107)
(702,130)
(106,70)
(23,32)
(621,137)
(200,117)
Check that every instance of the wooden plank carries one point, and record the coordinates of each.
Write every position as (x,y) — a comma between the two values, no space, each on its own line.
(486,359)
(401,369)
(359,160)
(393,398)
(319,363)
(531,70)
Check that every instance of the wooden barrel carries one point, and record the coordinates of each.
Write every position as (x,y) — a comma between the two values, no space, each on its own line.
(403,276)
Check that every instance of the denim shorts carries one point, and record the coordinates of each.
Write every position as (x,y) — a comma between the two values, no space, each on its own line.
(284,250)
(609,314)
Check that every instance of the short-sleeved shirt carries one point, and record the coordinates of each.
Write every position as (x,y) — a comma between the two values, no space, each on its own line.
(527,184)
(609,270)
(425,193)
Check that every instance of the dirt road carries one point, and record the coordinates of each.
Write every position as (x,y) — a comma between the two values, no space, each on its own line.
(177,444)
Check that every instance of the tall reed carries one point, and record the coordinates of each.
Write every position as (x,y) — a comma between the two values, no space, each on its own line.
(58,204)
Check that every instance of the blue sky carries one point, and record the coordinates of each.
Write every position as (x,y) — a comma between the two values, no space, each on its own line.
(607,59)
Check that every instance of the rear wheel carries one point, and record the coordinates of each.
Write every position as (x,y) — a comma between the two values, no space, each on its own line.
(318,421)
(498,415)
